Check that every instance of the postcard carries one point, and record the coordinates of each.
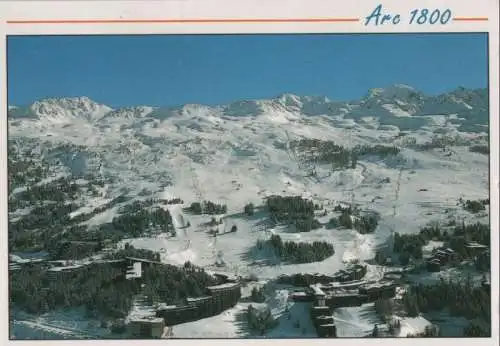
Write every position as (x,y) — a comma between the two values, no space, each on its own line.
(249,171)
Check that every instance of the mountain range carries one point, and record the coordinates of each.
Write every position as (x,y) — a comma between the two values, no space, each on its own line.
(470,105)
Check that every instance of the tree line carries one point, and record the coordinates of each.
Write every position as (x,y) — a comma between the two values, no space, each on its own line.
(328,152)
(351,218)
(293,210)
(207,207)
(474,206)
(459,298)
(293,252)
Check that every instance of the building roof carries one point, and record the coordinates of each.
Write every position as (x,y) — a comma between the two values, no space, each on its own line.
(223,286)
(353,283)
(317,291)
(163,306)
(176,307)
(380,284)
(299,294)
(66,268)
(17,259)
(476,245)
(143,260)
(103,261)
(147,319)
(345,294)
(227,276)
(198,299)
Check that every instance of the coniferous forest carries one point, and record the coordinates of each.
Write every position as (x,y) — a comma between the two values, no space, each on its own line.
(102,289)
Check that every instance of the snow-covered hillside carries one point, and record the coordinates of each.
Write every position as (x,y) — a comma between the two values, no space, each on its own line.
(239,153)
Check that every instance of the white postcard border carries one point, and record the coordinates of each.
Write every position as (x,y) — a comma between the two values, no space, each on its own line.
(103,17)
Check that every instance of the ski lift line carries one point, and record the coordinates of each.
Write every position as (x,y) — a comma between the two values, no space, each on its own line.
(398,186)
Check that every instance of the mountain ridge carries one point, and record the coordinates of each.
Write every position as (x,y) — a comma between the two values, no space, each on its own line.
(400,98)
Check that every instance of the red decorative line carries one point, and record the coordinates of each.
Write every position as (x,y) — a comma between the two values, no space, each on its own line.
(181,21)
(471,19)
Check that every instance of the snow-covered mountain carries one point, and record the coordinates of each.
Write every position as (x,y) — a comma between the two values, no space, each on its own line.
(241,152)
(396,100)
(149,148)
(62,110)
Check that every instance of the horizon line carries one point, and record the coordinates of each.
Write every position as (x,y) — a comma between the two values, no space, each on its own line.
(241,99)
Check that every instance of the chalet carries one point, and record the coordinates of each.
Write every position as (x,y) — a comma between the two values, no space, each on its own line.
(441,257)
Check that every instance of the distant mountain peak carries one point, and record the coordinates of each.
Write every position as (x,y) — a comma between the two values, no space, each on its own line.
(129,112)
(68,108)
(394,91)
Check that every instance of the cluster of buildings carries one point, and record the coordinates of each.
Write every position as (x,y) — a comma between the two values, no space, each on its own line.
(445,256)
(63,269)
(218,299)
(321,315)
(353,293)
(357,294)
(327,297)
(354,272)
(440,257)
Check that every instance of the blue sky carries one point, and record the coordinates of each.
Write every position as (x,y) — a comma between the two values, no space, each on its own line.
(215,69)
